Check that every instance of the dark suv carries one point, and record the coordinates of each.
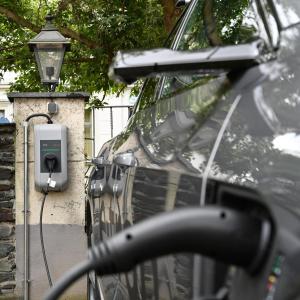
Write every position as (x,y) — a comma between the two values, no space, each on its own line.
(217,121)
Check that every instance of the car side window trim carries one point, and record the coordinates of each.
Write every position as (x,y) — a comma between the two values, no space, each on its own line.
(174,46)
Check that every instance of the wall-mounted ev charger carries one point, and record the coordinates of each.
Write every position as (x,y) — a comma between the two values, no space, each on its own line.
(51,157)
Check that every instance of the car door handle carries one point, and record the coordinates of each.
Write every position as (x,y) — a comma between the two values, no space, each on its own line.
(98,180)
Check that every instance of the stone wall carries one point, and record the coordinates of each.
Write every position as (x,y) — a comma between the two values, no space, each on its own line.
(7,207)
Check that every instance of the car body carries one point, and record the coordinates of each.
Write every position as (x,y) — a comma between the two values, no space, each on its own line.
(191,134)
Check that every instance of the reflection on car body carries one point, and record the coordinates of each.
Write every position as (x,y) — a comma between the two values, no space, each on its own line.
(188,132)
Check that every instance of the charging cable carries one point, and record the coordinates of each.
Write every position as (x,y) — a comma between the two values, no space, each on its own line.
(50,161)
(224,234)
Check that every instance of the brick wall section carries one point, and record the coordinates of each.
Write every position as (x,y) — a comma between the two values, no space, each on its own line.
(7,215)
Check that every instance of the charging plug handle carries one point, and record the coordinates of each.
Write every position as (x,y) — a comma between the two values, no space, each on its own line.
(223,234)
(50,161)
(226,235)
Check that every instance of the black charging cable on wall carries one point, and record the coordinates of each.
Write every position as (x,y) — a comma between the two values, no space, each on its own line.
(39,115)
(50,161)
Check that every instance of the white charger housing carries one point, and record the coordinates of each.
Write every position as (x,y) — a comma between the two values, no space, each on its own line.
(51,140)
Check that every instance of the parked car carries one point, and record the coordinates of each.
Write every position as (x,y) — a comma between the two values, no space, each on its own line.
(217,119)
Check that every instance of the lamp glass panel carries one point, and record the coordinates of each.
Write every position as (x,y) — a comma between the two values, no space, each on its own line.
(50,61)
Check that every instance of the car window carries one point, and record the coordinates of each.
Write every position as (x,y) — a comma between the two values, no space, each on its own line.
(146,97)
(213,23)
(208,23)
(219,22)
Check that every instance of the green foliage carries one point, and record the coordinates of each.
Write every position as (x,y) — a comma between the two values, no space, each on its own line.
(107,25)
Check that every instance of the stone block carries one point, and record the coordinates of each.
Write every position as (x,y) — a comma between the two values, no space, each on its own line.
(7,204)
(6,215)
(5,185)
(6,230)
(7,128)
(7,158)
(6,140)
(7,148)
(9,296)
(7,264)
(7,285)
(6,173)
(6,248)
(7,195)
(7,276)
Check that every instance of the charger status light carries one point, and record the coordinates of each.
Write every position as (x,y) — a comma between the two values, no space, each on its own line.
(274,277)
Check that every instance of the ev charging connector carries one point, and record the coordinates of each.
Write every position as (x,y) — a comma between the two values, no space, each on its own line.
(51,157)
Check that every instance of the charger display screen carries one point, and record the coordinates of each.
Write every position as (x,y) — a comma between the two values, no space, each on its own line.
(50,147)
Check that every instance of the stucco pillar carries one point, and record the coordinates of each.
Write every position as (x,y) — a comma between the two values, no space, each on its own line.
(64,236)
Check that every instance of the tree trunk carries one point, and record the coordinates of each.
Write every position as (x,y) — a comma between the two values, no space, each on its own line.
(170,13)
(210,24)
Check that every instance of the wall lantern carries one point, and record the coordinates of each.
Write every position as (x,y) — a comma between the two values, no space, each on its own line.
(49,47)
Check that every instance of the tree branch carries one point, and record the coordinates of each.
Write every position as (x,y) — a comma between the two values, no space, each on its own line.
(19,20)
(170,13)
(210,24)
(79,37)
(65,31)
(62,6)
